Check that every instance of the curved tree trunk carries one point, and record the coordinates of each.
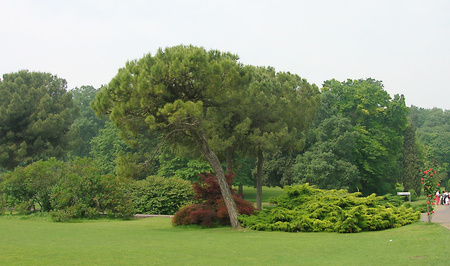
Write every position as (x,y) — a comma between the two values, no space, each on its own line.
(201,142)
(259,181)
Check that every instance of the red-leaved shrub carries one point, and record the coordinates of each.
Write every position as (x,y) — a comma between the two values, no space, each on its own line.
(244,207)
(212,209)
(204,217)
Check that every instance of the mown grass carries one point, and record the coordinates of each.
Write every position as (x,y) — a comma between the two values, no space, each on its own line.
(153,241)
(268,192)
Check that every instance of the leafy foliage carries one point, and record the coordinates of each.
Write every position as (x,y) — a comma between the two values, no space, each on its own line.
(200,214)
(433,132)
(182,167)
(36,113)
(32,186)
(179,93)
(279,167)
(65,190)
(411,161)
(308,209)
(430,186)
(280,108)
(124,157)
(211,210)
(159,195)
(106,147)
(328,161)
(87,124)
(374,142)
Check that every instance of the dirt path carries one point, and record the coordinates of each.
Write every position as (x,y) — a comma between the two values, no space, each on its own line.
(441,216)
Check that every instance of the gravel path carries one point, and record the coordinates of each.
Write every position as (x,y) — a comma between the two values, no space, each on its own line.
(441,216)
(151,215)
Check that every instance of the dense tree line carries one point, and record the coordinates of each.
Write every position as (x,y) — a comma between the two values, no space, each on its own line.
(433,135)
(186,111)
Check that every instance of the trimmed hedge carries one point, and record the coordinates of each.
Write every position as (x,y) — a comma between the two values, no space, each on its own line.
(160,195)
(308,209)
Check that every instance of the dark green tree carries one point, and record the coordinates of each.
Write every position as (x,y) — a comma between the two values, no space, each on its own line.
(380,122)
(281,106)
(106,147)
(412,163)
(178,93)
(36,113)
(276,109)
(433,132)
(172,165)
(329,159)
(87,125)
(128,159)
(278,167)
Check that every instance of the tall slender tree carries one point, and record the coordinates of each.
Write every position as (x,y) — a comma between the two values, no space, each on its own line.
(411,161)
(281,107)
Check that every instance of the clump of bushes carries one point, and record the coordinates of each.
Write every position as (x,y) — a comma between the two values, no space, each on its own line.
(210,210)
(66,190)
(308,209)
(159,195)
(398,201)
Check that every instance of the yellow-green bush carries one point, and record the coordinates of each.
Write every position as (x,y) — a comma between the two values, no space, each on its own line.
(308,209)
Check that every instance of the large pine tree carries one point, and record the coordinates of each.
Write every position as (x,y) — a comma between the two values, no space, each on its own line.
(36,113)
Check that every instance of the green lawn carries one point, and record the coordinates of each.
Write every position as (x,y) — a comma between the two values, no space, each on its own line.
(154,241)
(268,192)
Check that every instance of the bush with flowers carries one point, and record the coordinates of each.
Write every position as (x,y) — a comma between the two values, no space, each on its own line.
(430,186)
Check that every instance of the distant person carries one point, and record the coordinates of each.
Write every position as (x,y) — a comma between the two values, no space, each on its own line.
(446,197)
(438,197)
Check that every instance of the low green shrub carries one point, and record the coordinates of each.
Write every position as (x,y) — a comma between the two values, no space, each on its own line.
(65,190)
(159,195)
(62,215)
(30,187)
(90,195)
(422,207)
(308,209)
(414,195)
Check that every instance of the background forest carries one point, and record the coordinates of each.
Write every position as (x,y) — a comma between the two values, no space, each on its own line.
(349,135)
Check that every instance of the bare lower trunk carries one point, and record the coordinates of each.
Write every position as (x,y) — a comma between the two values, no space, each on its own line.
(200,139)
(259,181)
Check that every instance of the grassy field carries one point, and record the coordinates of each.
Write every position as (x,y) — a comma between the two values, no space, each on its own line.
(268,192)
(153,241)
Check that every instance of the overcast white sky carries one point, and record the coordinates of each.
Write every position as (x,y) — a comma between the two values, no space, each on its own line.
(405,44)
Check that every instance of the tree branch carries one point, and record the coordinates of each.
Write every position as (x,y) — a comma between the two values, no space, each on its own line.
(159,146)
